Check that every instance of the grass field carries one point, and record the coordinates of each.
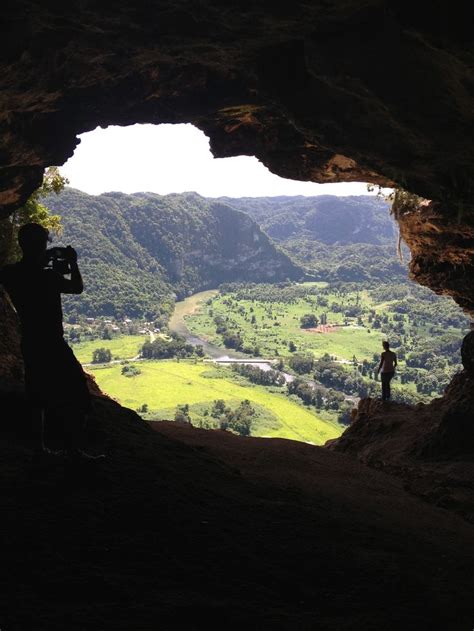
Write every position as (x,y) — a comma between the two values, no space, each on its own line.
(162,385)
(278,323)
(123,347)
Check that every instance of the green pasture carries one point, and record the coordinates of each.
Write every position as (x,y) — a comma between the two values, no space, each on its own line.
(277,323)
(163,385)
(122,347)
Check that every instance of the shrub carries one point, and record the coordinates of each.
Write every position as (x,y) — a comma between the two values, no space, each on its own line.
(308,320)
(101,356)
(131,371)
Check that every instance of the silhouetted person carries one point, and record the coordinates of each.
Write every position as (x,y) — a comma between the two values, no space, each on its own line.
(388,363)
(54,379)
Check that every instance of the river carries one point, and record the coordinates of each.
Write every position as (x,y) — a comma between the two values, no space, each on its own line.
(192,305)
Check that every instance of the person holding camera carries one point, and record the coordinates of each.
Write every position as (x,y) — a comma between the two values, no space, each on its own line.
(54,379)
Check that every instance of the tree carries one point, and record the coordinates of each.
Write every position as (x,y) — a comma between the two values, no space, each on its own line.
(308,320)
(102,356)
(232,340)
(291,346)
(302,363)
(240,420)
(131,371)
(218,408)
(318,399)
(32,211)
(182,414)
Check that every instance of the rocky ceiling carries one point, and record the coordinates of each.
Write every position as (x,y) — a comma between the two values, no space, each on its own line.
(327,90)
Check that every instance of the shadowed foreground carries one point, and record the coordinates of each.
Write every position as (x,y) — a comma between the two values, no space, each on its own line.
(182,528)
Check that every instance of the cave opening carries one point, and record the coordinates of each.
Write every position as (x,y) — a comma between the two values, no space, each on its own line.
(174,160)
(181,528)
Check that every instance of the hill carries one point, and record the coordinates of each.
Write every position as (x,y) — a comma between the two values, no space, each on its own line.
(328,219)
(335,238)
(139,251)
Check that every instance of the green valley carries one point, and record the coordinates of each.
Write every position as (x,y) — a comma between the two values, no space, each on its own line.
(349,325)
(313,285)
(164,385)
(121,347)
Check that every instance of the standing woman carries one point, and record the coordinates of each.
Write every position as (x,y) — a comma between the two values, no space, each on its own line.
(388,363)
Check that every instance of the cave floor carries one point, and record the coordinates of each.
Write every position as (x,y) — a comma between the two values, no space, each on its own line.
(181,529)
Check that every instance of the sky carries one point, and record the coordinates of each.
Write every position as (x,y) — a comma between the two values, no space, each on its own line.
(173,159)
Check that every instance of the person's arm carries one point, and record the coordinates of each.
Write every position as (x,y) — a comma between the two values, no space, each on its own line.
(75,285)
(381,364)
(395,363)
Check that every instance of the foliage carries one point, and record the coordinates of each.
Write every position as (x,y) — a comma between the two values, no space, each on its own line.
(259,376)
(240,420)
(325,218)
(123,347)
(308,320)
(336,376)
(101,356)
(129,370)
(182,414)
(138,252)
(403,202)
(165,384)
(424,329)
(166,349)
(32,211)
(313,394)
(302,363)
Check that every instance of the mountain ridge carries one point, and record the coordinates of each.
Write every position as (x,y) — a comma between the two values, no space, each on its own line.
(138,252)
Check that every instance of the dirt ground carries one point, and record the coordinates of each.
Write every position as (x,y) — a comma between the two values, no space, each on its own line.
(183,528)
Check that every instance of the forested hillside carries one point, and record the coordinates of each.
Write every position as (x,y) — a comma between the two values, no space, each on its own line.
(334,238)
(325,218)
(138,251)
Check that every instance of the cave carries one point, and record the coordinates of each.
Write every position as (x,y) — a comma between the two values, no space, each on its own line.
(375,91)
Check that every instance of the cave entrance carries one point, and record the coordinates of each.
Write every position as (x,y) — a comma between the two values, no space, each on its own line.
(309,285)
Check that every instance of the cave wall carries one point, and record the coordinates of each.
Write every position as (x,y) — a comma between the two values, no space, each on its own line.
(442,249)
(374,90)
(11,365)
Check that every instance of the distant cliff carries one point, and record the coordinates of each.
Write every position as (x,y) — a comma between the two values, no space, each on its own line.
(334,238)
(328,219)
(136,251)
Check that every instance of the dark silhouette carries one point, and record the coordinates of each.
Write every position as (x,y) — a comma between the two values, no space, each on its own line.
(54,379)
(388,363)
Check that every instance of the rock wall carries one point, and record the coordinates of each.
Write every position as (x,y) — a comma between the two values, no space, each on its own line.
(326,91)
(379,91)
(11,365)
(442,249)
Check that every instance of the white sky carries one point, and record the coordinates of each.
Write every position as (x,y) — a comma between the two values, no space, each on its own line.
(176,158)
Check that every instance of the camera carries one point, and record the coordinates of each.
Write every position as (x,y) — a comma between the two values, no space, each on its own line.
(57,259)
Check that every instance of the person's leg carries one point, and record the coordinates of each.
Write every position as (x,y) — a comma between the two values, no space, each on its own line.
(385,388)
(74,429)
(37,430)
(389,379)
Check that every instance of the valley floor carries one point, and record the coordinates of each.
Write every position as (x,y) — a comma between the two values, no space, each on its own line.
(163,385)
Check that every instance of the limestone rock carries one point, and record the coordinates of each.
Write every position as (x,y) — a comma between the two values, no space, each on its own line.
(323,91)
